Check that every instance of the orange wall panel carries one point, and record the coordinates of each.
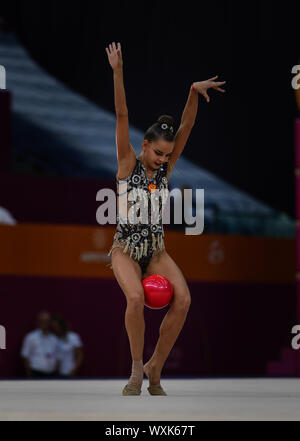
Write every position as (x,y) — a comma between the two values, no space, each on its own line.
(62,250)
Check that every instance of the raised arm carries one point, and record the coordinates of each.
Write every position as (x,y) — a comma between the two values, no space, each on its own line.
(189,115)
(125,152)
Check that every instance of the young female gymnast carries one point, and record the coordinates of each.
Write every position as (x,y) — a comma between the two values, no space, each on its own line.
(138,248)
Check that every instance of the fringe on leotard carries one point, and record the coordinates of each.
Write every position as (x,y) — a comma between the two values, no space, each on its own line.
(138,251)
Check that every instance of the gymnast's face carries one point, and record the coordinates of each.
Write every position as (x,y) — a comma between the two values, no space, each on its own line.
(157,152)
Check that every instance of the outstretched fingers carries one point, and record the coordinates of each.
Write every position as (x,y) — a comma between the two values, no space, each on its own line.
(206,96)
(119,48)
(219,89)
(114,55)
(112,48)
(217,84)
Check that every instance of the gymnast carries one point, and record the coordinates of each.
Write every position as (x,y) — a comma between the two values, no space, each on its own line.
(138,248)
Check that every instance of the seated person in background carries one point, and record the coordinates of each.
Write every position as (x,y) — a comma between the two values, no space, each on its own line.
(70,353)
(6,217)
(39,349)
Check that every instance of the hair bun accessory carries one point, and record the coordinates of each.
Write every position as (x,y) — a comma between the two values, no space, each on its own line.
(165,126)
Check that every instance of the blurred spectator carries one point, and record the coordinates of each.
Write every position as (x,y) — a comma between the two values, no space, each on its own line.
(39,349)
(6,217)
(70,352)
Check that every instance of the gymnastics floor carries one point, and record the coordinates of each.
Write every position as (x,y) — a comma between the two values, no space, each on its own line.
(188,400)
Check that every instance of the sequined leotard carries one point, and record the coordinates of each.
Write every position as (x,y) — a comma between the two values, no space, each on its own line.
(144,238)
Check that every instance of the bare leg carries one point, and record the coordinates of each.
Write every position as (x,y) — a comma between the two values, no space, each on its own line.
(128,275)
(168,333)
(173,320)
(135,327)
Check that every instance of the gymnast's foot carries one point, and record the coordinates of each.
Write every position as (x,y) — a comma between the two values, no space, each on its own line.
(153,375)
(136,379)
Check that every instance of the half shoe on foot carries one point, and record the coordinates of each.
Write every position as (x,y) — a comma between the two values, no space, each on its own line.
(131,390)
(156,390)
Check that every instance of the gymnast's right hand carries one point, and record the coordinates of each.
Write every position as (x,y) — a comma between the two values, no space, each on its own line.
(114,56)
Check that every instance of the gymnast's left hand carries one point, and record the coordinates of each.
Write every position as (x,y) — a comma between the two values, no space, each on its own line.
(203,86)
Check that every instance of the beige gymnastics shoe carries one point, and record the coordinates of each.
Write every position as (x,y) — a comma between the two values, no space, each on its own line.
(153,389)
(131,390)
(156,389)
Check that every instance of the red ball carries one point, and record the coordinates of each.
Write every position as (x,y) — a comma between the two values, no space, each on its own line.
(158,291)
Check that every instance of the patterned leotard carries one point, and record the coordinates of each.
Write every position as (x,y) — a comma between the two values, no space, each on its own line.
(141,239)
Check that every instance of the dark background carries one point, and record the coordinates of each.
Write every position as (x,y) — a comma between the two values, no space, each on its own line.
(246,135)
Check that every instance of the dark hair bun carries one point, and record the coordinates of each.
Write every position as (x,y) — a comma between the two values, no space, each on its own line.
(163,128)
(166,119)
